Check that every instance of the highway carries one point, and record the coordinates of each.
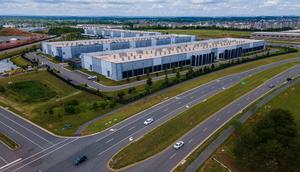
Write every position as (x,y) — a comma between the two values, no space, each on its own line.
(59,155)
(225,134)
(171,157)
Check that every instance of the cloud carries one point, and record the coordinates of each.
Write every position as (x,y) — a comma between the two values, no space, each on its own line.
(150,7)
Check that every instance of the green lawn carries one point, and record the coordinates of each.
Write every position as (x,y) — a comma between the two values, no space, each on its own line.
(30,91)
(55,112)
(21,62)
(148,102)
(163,136)
(213,166)
(203,33)
(287,100)
(8,142)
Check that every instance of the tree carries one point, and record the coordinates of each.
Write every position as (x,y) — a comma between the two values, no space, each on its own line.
(147,89)
(178,75)
(149,81)
(131,90)
(166,81)
(212,67)
(272,144)
(121,94)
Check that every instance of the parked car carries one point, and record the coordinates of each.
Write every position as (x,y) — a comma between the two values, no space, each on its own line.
(178,145)
(80,160)
(148,121)
(92,77)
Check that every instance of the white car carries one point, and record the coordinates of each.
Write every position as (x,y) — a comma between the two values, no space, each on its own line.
(148,121)
(92,77)
(178,145)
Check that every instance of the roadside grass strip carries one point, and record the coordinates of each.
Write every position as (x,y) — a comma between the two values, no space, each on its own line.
(163,136)
(8,142)
(150,101)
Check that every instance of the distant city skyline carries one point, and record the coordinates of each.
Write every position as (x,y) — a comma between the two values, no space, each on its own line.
(150,7)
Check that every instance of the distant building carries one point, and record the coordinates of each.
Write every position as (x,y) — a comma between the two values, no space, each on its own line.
(286,35)
(117,33)
(122,64)
(69,49)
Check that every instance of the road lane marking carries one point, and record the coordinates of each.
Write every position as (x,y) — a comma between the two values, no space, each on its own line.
(3,159)
(10,163)
(166,110)
(27,129)
(173,156)
(190,141)
(109,140)
(43,150)
(45,155)
(204,129)
(131,128)
(22,135)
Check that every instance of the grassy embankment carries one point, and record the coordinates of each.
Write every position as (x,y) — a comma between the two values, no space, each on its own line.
(50,102)
(287,100)
(163,136)
(148,102)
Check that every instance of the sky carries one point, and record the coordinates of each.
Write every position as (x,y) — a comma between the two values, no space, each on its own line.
(150,7)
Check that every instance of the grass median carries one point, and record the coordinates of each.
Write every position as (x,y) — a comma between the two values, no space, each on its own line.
(8,142)
(148,102)
(166,134)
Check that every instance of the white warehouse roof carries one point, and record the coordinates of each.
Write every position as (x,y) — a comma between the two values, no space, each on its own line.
(108,41)
(121,56)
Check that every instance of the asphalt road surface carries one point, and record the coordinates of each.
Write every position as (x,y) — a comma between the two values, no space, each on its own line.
(209,150)
(167,160)
(60,153)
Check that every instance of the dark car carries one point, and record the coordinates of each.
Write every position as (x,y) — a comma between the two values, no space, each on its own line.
(271,86)
(80,160)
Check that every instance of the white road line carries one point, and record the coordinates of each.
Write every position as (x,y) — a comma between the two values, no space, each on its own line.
(45,155)
(173,156)
(190,141)
(27,129)
(10,163)
(1,158)
(166,110)
(109,140)
(43,150)
(22,135)
(131,128)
